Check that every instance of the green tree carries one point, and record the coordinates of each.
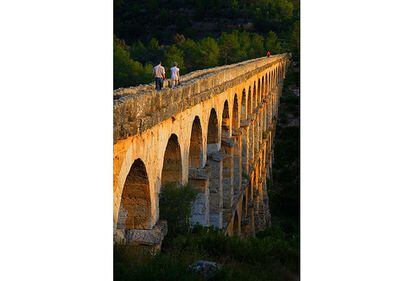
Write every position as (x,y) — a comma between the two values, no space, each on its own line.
(146,73)
(154,51)
(126,71)
(175,207)
(256,46)
(294,40)
(229,48)
(244,43)
(174,54)
(208,53)
(272,43)
(190,49)
(139,52)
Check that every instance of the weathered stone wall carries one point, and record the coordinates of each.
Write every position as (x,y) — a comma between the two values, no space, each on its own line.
(139,108)
(233,108)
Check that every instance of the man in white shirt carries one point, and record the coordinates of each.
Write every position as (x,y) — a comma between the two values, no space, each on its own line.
(175,75)
(159,73)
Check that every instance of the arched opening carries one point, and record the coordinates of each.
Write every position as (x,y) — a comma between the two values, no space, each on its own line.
(228,169)
(135,208)
(212,132)
(249,100)
(172,167)
(255,98)
(200,206)
(275,77)
(257,135)
(244,206)
(235,115)
(243,110)
(225,122)
(214,169)
(263,88)
(252,140)
(237,160)
(279,74)
(244,216)
(270,80)
(196,144)
(236,224)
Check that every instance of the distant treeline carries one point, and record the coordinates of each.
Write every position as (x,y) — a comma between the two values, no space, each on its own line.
(133,64)
(198,34)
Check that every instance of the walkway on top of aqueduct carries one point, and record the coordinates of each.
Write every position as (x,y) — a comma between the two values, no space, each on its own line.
(214,131)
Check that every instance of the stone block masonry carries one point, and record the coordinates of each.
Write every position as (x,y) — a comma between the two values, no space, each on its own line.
(214,132)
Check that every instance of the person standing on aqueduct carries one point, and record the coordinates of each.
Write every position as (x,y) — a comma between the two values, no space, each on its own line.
(175,75)
(159,73)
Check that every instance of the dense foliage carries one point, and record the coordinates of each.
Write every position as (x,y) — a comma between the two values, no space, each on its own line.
(272,254)
(198,34)
(175,207)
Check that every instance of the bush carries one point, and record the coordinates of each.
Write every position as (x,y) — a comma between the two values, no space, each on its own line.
(175,207)
(163,267)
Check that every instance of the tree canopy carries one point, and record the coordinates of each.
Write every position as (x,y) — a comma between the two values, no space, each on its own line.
(198,34)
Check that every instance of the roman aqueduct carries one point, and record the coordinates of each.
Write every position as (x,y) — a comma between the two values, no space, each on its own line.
(214,131)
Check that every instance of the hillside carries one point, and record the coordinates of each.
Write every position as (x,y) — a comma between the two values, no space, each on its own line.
(198,34)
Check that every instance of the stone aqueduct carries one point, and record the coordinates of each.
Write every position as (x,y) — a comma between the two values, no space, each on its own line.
(214,131)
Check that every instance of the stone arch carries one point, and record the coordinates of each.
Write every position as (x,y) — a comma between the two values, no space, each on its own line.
(249,101)
(244,215)
(196,145)
(252,186)
(263,88)
(244,135)
(244,205)
(225,121)
(243,109)
(275,76)
(172,165)
(245,151)
(236,230)
(227,163)
(252,140)
(237,160)
(257,93)
(213,138)
(279,74)
(135,207)
(256,132)
(235,114)
(215,172)
(270,79)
